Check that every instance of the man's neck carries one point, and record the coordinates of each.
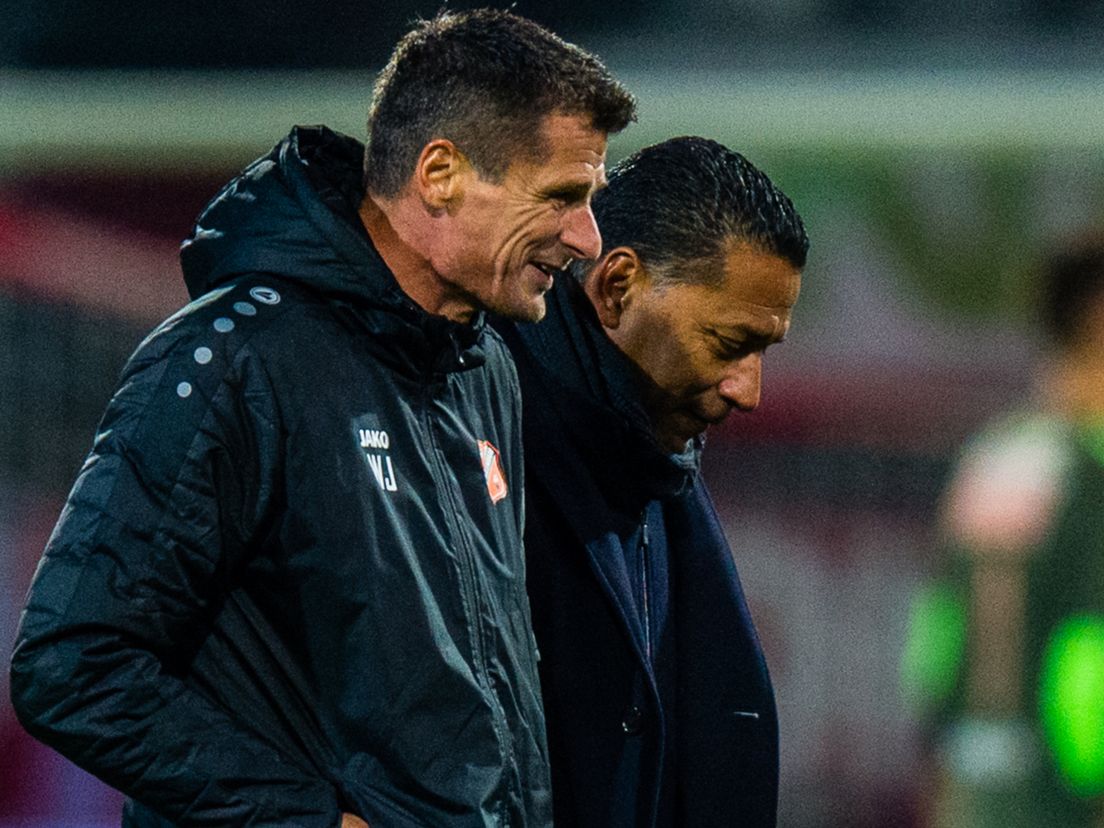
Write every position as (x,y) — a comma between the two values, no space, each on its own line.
(400,234)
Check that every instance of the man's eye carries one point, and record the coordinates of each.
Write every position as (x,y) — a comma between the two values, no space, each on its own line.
(567,197)
(728,342)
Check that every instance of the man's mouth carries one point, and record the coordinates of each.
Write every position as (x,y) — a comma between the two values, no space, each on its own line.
(716,421)
(550,270)
(702,421)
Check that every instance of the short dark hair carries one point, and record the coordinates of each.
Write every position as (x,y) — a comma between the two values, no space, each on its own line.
(687,199)
(1072,281)
(483,79)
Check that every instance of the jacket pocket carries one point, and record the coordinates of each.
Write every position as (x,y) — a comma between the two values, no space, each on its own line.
(380,812)
(368,795)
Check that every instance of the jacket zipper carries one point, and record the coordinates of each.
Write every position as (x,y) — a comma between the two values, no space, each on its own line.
(466,558)
(644,562)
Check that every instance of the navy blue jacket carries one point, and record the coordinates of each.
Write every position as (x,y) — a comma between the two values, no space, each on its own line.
(288,581)
(697,722)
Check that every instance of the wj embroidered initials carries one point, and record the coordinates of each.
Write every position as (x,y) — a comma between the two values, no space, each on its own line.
(382,469)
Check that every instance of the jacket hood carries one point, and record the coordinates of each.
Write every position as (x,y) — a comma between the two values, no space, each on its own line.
(293,213)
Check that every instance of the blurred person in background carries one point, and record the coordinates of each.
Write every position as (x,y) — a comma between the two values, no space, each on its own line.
(659,705)
(287,587)
(1005,657)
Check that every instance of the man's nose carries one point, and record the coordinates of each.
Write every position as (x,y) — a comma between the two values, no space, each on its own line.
(580,233)
(740,385)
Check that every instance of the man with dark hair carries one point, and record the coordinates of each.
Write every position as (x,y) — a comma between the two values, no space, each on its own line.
(288,588)
(659,706)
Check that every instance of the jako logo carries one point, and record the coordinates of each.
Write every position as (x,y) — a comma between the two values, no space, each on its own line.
(492,471)
(371,438)
(380,463)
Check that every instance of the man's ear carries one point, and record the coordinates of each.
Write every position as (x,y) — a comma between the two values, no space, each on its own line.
(607,283)
(438,175)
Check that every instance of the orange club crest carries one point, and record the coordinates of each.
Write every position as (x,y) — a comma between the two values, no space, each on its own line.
(492,471)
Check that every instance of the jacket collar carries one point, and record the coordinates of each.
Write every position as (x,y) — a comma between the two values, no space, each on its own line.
(591,392)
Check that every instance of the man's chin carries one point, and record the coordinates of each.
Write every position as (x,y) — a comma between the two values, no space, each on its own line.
(536,309)
(532,310)
(675,443)
(679,432)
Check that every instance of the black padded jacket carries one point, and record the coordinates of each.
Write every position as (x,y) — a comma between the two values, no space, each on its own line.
(289,581)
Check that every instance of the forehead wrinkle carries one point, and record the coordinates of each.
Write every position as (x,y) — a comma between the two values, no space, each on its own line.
(577,172)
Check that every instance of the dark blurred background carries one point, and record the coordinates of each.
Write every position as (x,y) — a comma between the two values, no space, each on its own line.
(934,149)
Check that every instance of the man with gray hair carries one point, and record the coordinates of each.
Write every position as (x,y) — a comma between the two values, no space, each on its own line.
(288,588)
(659,706)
